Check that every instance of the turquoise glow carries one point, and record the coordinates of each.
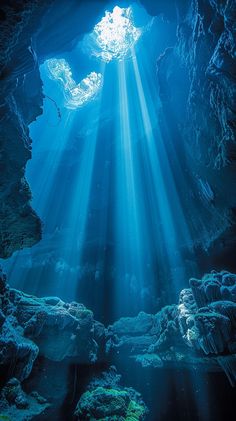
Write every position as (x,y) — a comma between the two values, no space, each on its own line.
(116,199)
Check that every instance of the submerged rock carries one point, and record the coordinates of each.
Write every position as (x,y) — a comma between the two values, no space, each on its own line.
(15,404)
(211,326)
(17,353)
(60,330)
(31,326)
(200,331)
(109,401)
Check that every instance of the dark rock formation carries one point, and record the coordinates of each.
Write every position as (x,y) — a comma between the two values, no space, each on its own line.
(46,326)
(15,404)
(59,329)
(194,332)
(198,330)
(197,333)
(17,353)
(106,399)
(205,53)
(196,79)
(21,103)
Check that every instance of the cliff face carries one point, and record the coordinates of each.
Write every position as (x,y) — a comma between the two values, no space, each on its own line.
(196,79)
(204,54)
(206,50)
(21,103)
(29,33)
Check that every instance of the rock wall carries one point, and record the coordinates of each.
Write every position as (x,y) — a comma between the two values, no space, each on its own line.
(29,34)
(21,103)
(196,79)
(205,55)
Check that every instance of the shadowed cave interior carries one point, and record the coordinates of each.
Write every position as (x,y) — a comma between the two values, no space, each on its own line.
(117,211)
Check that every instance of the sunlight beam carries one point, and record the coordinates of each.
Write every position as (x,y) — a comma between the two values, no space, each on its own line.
(129,222)
(166,199)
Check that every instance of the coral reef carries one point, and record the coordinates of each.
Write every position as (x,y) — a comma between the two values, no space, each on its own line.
(105,399)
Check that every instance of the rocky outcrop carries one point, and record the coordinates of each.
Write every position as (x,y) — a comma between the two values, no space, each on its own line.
(106,399)
(15,404)
(17,353)
(31,326)
(59,329)
(21,103)
(203,62)
(196,79)
(207,313)
(199,331)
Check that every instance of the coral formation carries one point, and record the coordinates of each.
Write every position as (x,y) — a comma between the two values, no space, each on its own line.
(110,401)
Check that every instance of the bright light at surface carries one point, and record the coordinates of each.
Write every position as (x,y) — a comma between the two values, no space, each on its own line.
(114,36)
(76,95)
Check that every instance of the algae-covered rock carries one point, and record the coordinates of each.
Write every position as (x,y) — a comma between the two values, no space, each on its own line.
(106,404)
(106,400)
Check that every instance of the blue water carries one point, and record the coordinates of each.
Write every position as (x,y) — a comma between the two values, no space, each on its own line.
(114,197)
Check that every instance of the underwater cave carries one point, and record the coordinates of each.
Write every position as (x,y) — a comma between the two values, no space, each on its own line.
(117,210)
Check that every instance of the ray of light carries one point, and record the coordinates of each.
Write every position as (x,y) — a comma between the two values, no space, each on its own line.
(61,202)
(165,197)
(130,222)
